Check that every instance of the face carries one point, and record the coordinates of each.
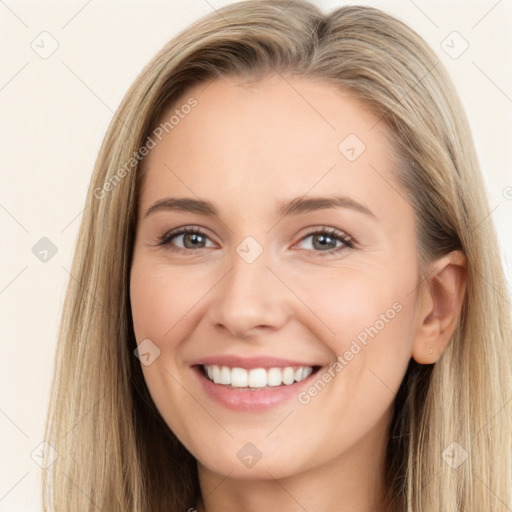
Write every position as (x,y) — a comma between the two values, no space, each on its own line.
(293,285)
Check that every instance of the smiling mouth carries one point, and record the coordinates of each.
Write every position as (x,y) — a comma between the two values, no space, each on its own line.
(256,378)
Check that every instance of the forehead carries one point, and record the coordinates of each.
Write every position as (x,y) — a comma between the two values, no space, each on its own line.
(273,138)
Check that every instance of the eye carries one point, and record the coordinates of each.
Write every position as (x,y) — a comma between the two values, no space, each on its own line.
(191,237)
(325,240)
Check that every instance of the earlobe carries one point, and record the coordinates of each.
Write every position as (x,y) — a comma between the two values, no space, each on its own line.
(439,313)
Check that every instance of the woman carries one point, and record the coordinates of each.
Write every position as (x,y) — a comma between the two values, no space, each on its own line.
(213,354)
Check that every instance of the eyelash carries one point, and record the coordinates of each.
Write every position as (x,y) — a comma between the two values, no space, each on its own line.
(348,242)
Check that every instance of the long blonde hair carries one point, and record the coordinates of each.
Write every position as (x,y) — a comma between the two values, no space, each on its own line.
(114,452)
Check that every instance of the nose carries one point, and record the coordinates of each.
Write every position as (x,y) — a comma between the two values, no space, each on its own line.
(250,300)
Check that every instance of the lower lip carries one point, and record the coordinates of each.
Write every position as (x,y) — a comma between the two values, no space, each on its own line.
(259,399)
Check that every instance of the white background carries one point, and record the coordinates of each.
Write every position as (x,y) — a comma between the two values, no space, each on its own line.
(54,113)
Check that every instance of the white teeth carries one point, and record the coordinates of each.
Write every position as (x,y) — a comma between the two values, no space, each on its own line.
(239,377)
(256,377)
(225,375)
(274,377)
(216,373)
(288,375)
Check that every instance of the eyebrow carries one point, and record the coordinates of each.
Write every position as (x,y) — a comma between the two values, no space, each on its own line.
(297,206)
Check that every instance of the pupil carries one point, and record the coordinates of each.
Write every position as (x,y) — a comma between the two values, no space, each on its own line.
(195,237)
(323,238)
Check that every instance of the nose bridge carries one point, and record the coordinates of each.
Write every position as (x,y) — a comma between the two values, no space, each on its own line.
(249,296)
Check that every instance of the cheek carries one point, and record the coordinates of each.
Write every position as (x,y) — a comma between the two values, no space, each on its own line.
(160,300)
(370,320)
(159,303)
(165,303)
(355,305)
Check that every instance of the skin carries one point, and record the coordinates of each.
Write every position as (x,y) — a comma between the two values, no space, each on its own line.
(244,149)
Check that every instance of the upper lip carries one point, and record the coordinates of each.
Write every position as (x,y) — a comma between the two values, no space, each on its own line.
(234,361)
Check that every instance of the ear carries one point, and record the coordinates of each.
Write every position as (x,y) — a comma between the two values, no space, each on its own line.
(440,302)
